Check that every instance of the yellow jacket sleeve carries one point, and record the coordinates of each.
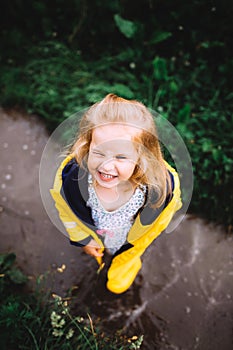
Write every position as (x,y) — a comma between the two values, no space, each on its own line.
(79,233)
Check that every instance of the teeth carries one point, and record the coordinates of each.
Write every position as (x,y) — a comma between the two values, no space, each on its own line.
(107,176)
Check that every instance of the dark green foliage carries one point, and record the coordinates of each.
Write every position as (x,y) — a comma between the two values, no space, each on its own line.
(58,57)
(9,274)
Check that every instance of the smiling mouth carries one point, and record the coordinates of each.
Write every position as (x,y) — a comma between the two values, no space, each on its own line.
(106,177)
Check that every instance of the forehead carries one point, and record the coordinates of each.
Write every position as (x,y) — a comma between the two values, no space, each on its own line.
(112,132)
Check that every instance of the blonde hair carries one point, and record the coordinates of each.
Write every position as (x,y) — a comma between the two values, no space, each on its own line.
(151,169)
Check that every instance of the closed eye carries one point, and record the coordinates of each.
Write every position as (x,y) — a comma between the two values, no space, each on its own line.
(96,153)
(121,157)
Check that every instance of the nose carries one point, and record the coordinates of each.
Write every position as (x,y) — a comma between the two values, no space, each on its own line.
(108,165)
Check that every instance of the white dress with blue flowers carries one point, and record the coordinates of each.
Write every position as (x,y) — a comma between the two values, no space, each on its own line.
(113,226)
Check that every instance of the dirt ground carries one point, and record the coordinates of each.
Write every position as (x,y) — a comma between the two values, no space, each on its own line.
(182,297)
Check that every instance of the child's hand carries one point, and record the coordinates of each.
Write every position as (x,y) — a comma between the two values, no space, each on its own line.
(93,249)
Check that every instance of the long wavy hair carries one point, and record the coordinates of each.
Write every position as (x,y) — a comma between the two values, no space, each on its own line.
(150,169)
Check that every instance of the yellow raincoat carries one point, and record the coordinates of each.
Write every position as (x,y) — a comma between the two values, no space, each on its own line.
(70,193)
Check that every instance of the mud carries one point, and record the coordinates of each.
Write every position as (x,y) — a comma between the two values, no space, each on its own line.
(182,297)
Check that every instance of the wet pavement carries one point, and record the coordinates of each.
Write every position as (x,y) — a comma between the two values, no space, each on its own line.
(182,297)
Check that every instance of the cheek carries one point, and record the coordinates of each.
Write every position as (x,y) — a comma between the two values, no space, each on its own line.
(133,168)
(128,170)
(91,162)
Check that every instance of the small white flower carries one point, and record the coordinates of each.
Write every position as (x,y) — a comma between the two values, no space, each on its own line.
(54,316)
(61,323)
(58,332)
(56,297)
(160,109)
(79,319)
(70,333)
(65,311)
(56,320)
(132,65)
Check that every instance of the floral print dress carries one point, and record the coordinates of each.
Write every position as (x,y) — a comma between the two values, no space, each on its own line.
(113,226)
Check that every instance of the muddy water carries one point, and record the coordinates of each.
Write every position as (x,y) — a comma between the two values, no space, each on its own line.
(189,284)
(182,297)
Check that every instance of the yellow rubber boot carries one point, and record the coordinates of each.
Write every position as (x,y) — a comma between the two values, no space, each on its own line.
(122,273)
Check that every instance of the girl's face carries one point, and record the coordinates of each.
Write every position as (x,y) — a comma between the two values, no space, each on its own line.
(112,156)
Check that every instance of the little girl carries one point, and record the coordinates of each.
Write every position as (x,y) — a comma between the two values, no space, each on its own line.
(114,191)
